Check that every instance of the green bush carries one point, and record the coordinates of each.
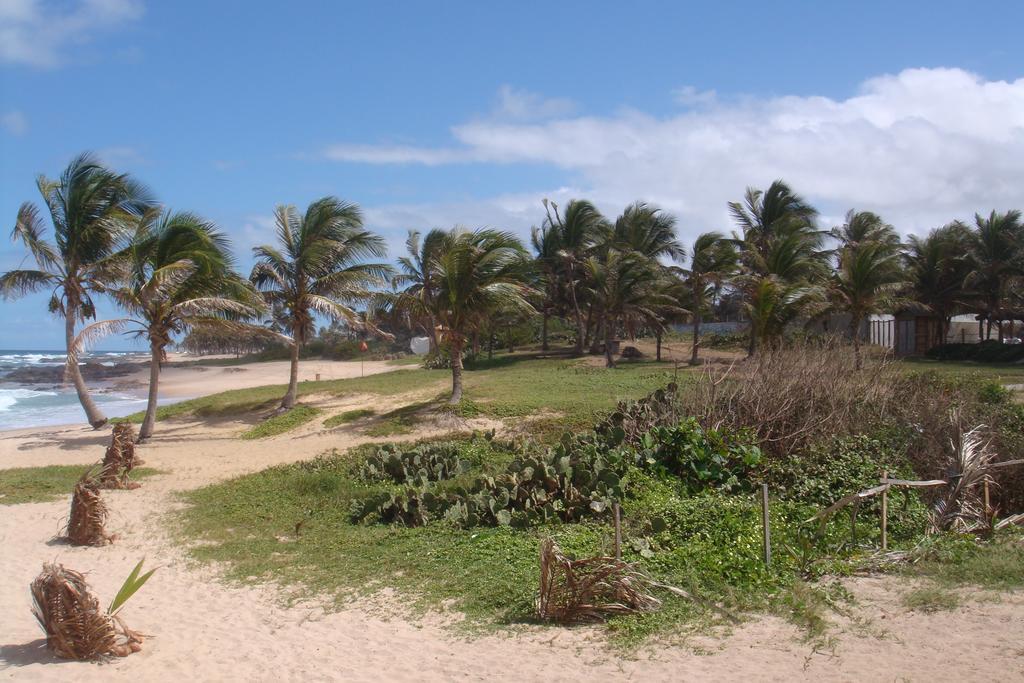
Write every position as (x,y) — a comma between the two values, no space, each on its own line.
(416,466)
(845,465)
(700,458)
(990,351)
(574,480)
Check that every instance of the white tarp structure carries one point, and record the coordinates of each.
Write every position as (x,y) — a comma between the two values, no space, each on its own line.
(419,345)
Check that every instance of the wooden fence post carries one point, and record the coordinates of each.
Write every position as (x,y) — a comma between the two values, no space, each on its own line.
(767,526)
(618,532)
(885,513)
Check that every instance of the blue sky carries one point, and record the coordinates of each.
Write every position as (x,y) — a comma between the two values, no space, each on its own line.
(468,112)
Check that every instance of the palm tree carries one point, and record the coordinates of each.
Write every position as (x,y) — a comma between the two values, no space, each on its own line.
(179,277)
(546,246)
(865,226)
(771,303)
(577,232)
(317,268)
(714,260)
(418,274)
(764,216)
(90,209)
(780,251)
(625,286)
(937,266)
(648,231)
(866,282)
(479,271)
(995,257)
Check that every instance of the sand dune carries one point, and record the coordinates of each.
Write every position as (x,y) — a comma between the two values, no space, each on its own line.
(204,629)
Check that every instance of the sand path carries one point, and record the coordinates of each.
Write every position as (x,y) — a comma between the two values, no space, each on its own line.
(206,630)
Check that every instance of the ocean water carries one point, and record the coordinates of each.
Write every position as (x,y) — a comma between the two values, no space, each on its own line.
(35,405)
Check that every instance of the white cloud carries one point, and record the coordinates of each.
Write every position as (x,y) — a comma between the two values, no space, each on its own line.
(691,97)
(921,147)
(120,156)
(398,154)
(37,32)
(522,105)
(14,122)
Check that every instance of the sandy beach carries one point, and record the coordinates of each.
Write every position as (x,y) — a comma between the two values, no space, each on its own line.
(205,629)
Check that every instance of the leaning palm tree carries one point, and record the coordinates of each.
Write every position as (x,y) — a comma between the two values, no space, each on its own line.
(867,281)
(317,268)
(714,260)
(479,271)
(90,209)
(578,230)
(179,277)
(996,261)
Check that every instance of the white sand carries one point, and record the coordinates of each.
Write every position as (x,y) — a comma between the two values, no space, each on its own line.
(205,630)
(190,381)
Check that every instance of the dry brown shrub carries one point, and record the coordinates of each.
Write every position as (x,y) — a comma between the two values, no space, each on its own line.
(589,589)
(88,518)
(75,626)
(119,459)
(796,394)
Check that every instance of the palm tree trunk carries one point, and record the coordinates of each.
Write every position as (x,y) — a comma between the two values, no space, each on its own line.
(288,402)
(858,362)
(456,347)
(93,414)
(544,331)
(696,336)
(609,361)
(589,327)
(155,354)
(752,346)
(432,333)
(576,313)
(657,336)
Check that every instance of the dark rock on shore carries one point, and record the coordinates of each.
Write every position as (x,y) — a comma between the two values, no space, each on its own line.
(91,372)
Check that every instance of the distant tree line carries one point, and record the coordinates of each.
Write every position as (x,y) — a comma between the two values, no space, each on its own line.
(594,278)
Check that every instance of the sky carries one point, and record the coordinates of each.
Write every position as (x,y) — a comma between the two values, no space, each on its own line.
(437,114)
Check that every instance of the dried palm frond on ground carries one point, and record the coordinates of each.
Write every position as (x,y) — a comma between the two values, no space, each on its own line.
(119,458)
(594,588)
(960,506)
(88,518)
(589,589)
(75,626)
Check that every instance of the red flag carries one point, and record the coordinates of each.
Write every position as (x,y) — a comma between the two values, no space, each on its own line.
(363,346)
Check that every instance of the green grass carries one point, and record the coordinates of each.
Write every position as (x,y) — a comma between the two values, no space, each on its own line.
(43,484)
(931,598)
(348,416)
(279,424)
(510,385)
(1008,373)
(290,524)
(397,422)
(520,385)
(995,564)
